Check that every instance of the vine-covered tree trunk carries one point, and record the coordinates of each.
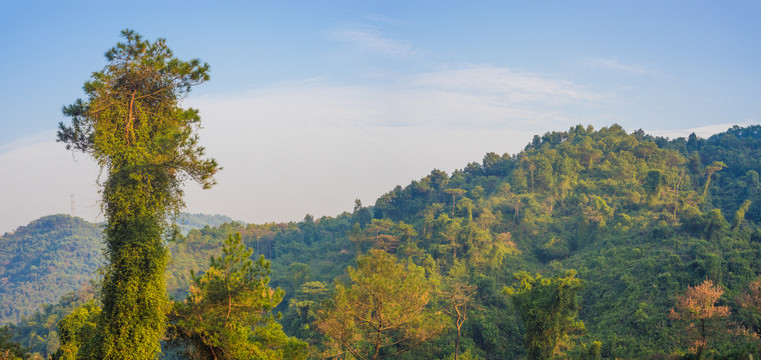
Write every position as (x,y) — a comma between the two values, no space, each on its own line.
(145,144)
(133,294)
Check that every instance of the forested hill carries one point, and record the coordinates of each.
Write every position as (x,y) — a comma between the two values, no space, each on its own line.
(55,255)
(188,222)
(44,260)
(640,218)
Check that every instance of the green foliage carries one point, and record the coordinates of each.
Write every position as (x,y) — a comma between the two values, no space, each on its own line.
(740,215)
(594,351)
(383,313)
(187,222)
(76,332)
(715,225)
(52,257)
(133,296)
(44,260)
(628,211)
(362,215)
(9,349)
(548,309)
(383,234)
(652,183)
(191,253)
(739,150)
(302,310)
(457,296)
(134,128)
(228,314)
(39,331)
(710,170)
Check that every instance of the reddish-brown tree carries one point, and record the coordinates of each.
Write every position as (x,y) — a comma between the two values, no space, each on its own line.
(751,299)
(698,307)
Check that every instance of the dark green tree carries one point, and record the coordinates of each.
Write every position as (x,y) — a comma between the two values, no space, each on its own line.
(10,349)
(548,308)
(361,215)
(298,273)
(302,310)
(145,144)
(652,185)
(229,312)
(714,225)
(455,193)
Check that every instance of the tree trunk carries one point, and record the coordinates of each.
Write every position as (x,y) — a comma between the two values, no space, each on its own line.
(457,344)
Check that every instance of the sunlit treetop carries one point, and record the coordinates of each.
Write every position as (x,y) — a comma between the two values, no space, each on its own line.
(132,117)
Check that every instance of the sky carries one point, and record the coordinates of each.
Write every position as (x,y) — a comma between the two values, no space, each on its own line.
(313,104)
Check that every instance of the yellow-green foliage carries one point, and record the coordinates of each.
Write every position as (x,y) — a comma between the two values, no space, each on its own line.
(144,142)
(228,314)
(76,331)
(384,312)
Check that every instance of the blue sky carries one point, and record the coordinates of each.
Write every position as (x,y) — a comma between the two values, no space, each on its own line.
(312,104)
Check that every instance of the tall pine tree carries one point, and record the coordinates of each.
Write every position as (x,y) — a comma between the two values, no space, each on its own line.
(132,124)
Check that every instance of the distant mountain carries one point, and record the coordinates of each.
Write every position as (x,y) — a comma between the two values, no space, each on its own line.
(44,260)
(56,255)
(188,222)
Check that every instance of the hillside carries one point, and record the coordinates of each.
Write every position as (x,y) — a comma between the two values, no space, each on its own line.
(44,260)
(56,255)
(640,219)
(188,222)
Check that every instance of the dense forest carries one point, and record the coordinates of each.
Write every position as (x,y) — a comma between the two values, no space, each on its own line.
(587,244)
(44,260)
(57,255)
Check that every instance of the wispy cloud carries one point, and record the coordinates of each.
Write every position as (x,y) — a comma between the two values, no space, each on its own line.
(348,141)
(26,141)
(372,40)
(615,65)
(701,131)
(509,85)
(476,96)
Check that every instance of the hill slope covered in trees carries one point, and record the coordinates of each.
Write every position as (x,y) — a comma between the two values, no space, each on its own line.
(639,218)
(55,255)
(44,260)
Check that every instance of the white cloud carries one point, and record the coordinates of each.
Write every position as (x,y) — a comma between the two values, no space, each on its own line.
(701,131)
(483,97)
(372,40)
(508,85)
